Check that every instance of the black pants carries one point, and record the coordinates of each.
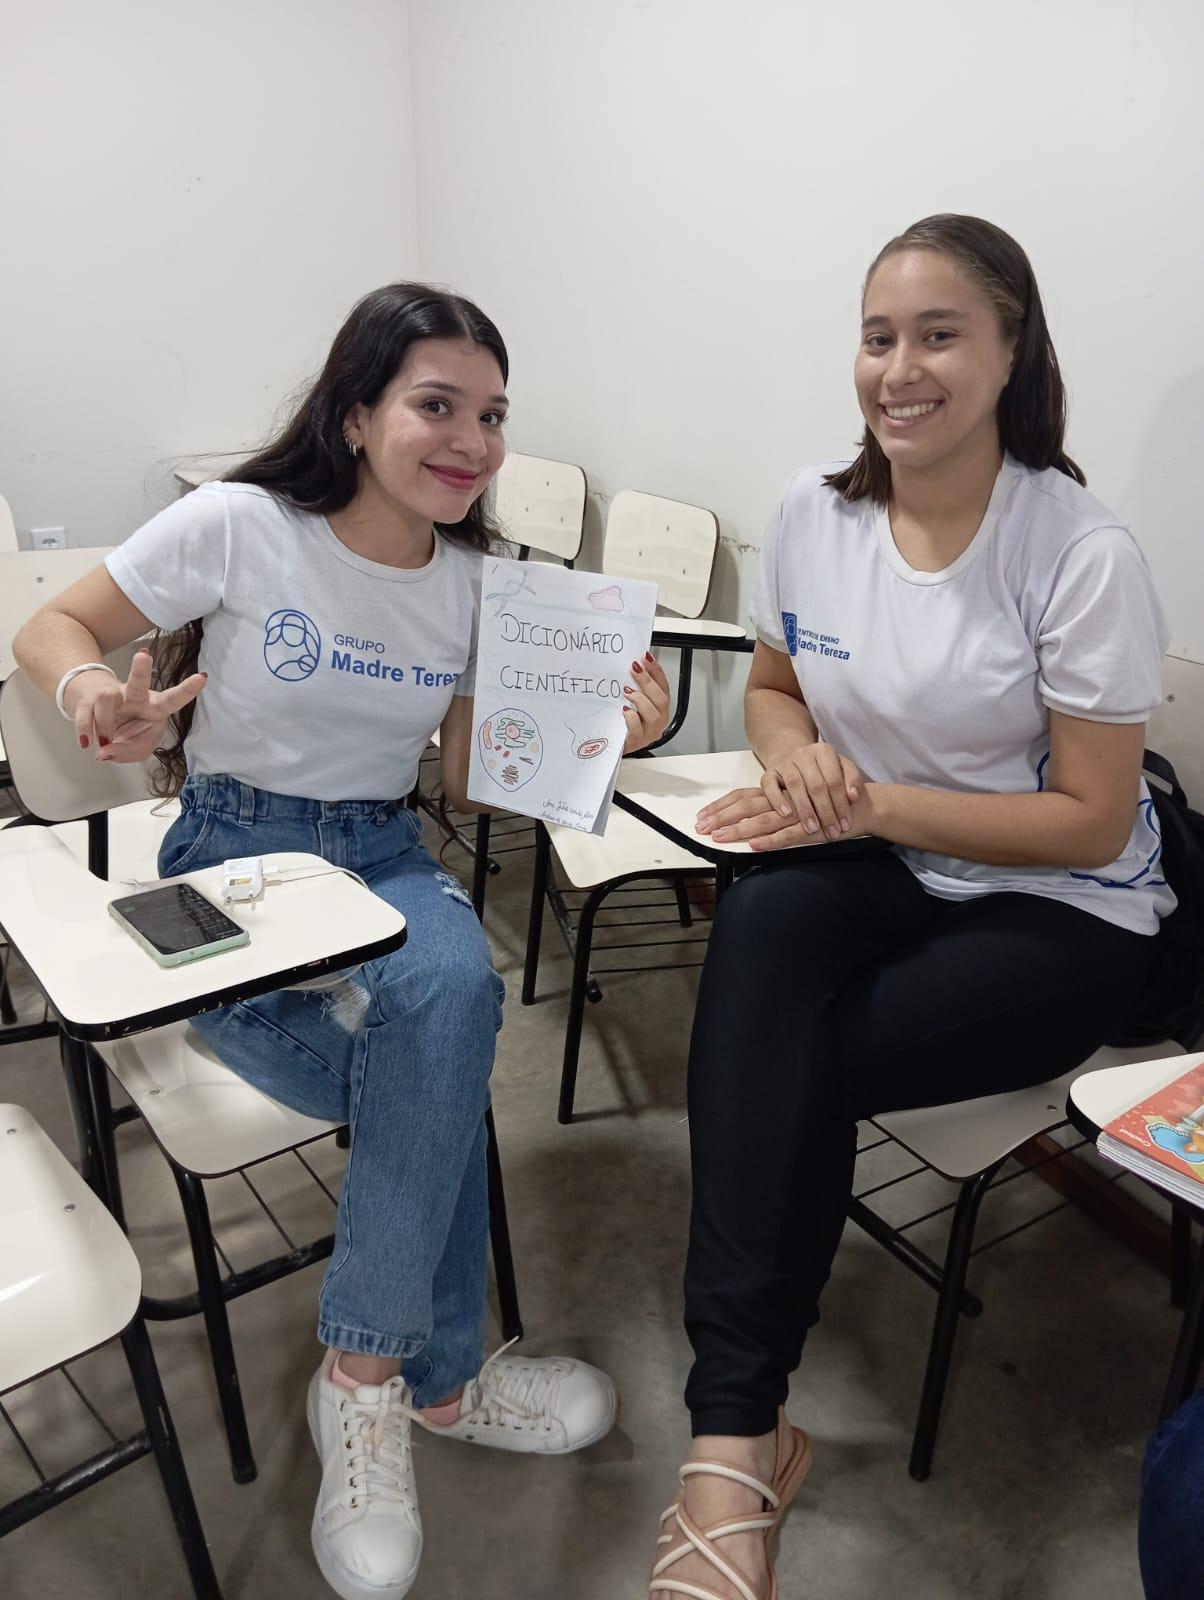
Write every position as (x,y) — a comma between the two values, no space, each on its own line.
(831,991)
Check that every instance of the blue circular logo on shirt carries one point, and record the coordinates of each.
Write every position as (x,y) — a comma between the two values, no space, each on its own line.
(292,645)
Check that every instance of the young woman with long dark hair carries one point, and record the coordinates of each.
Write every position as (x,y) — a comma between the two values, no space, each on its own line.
(958,648)
(322,606)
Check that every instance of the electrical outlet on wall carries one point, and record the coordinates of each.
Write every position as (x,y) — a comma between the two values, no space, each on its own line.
(48,538)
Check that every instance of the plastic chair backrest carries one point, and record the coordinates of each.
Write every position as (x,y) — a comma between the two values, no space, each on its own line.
(1176,728)
(666,541)
(541,504)
(8,528)
(53,777)
(28,578)
(69,1279)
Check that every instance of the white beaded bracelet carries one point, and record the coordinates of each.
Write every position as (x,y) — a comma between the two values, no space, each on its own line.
(74,672)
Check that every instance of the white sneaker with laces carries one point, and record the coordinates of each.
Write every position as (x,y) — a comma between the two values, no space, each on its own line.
(367,1535)
(549,1405)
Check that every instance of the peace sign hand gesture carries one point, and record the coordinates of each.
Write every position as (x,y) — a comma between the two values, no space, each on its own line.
(126,721)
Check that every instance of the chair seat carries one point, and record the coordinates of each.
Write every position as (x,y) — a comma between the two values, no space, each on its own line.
(627,846)
(69,1280)
(959,1141)
(135,833)
(202,1115)
(696,627)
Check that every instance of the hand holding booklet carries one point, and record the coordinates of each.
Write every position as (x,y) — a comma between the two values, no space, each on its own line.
(554,656)
(1162,1137)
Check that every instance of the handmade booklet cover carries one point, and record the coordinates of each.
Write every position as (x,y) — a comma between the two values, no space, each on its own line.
(1162,1137)
(554,654)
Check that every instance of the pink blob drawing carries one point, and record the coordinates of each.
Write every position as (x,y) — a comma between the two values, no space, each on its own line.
(609,599)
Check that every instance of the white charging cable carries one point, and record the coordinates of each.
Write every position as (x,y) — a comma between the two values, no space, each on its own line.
(251,869)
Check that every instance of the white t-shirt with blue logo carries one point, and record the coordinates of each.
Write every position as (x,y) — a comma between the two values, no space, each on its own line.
(328,673)
(946,680)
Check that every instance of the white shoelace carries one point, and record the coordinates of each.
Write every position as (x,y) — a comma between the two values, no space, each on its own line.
(377,1459)
(517,1394)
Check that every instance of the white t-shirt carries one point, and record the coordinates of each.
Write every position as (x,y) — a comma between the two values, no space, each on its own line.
(946,679)
(328,673)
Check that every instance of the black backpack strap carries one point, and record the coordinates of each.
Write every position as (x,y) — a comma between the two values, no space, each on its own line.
(1160,768)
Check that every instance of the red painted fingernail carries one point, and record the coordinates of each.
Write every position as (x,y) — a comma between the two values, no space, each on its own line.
(103,741)
(635,667)
(83,741)
(648,656)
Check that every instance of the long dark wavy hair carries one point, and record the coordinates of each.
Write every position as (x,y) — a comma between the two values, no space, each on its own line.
(1032,408)
(308,464)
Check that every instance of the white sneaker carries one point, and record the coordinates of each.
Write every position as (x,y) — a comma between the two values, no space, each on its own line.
(550,1406)
(367,1535)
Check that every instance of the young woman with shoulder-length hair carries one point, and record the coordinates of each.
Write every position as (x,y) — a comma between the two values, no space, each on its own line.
(957,650)
(322,609)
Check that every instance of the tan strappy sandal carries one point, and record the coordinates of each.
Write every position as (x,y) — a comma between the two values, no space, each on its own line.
(790,1468)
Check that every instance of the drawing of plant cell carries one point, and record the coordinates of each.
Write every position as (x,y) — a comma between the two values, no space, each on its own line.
(510,739)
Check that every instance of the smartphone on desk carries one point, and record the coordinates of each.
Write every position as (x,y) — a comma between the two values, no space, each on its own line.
(176,923)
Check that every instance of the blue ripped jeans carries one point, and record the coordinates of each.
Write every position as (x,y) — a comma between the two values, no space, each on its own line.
(403,1058)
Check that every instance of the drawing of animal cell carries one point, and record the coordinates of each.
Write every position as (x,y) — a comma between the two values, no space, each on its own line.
(510,741)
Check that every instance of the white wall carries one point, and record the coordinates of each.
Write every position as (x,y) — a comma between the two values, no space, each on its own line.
(668,206)
(191,198)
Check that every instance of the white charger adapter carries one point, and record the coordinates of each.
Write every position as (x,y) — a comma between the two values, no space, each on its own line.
(242,878)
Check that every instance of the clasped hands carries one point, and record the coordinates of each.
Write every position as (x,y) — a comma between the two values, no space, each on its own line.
(812,793)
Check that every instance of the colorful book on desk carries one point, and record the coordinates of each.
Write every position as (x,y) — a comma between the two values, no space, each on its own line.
(1162,1138)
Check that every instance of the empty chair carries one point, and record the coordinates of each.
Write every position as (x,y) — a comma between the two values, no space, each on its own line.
(672,544)
(540,505)
(665,542)
(70,1282)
